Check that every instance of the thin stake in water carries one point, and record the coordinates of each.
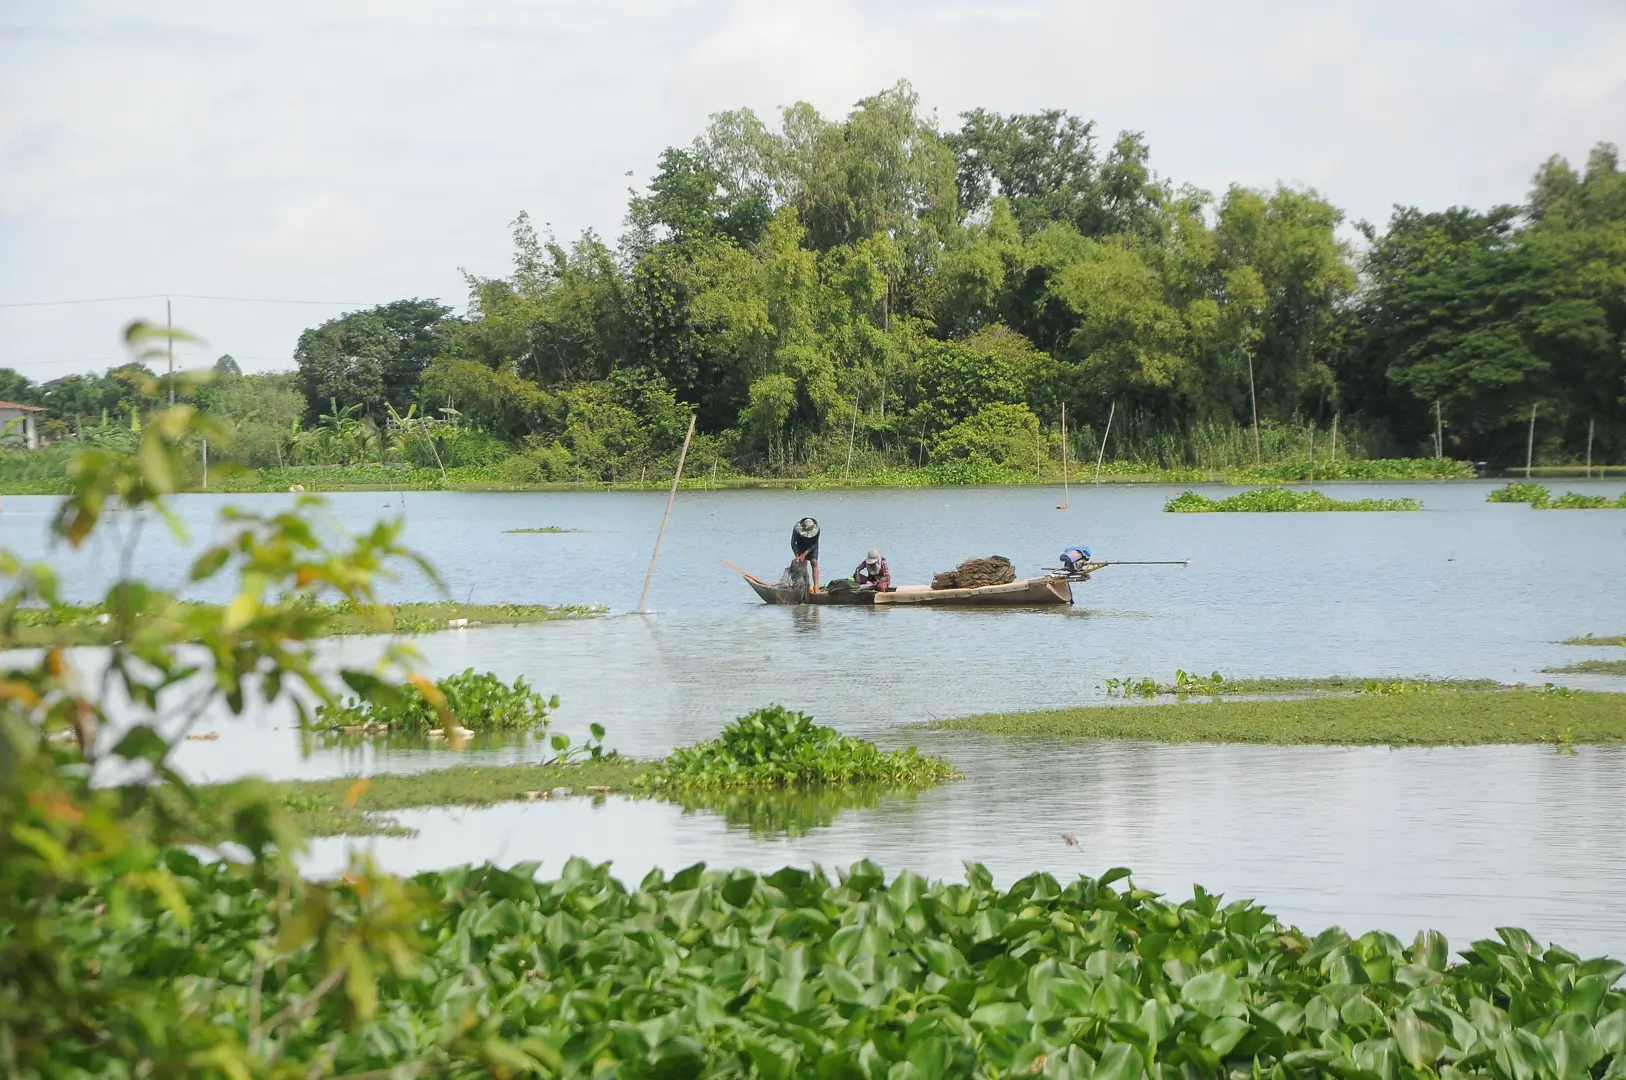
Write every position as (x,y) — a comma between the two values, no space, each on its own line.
(1065,498)
(1103,455)
(1530,446)
(670,495)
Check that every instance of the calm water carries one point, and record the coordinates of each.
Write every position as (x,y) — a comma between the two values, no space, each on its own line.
(1461,840)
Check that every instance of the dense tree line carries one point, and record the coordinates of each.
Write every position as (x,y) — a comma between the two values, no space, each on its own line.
(918,295)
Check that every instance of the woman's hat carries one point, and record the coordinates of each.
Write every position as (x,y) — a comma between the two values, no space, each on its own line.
(874,557)
(807,527)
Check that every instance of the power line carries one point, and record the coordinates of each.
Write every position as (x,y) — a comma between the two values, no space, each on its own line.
(183,296)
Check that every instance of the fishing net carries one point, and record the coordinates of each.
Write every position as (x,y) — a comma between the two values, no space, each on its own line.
(975,573)
(841,585)
(798,575)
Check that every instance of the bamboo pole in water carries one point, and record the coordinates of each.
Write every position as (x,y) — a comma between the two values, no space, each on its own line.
(1102,456)
(1065,498)
(1530,446)
(848,471)
(670,495)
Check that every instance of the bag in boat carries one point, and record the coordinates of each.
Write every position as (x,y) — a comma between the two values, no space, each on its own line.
(841,585)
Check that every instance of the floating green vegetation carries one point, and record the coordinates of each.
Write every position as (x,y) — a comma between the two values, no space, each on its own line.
(469,701)
(1590,667)
(542,529)
(1187,683)
(773,771)
(728,973)
(1279,500)
(1539,498)
(1437,717)
(1588,639)
(1358,469)
(93,624)
(777,748)
(348,806)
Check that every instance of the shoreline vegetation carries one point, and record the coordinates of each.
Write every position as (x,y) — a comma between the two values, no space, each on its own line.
(71,625)
(1428,716)
(326,478)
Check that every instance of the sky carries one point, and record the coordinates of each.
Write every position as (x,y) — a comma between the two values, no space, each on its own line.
(354,152)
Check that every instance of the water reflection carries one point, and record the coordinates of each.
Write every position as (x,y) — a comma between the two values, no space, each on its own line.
(776,813)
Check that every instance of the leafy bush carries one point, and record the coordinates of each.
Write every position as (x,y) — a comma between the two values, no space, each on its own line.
(995,435)
(1279,500)
(479,701)
(774,747)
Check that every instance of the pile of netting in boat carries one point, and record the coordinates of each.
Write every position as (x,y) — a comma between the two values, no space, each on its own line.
(975,573)
(798,575)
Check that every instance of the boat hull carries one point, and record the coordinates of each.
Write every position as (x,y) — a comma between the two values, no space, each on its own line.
(1027,592)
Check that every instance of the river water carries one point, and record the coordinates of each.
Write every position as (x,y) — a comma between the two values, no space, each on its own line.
(1461,840)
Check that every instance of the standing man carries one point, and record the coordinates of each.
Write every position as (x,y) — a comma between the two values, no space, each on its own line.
(872,574)
(804,546)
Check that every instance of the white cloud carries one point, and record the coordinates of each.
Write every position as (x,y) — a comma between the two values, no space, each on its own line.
(364,150)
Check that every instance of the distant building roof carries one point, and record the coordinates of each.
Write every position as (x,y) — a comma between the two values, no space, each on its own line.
(24,408)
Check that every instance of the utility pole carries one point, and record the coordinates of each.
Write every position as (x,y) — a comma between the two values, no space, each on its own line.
(1590,427)
(169,337)
(1530,446)
(1439,431)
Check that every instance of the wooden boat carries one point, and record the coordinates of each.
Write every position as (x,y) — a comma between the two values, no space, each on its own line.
(1026,592)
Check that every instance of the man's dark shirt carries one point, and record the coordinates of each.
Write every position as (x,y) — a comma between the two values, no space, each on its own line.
(809,544)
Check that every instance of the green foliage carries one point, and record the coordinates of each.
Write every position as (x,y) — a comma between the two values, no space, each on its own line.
(730,973)
(777,748)
(369,359)
(476,701)
(1279,500)
(1539,498)
(99,892)
(1358,469)
(1519,493)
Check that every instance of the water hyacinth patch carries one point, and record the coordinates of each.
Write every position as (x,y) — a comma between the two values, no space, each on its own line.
(775,747)
(716,973)
(1279,500)
(1539,498)
(479,701)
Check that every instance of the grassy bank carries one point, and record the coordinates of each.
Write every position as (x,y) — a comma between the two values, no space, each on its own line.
(959,474)
(1590,667)
(1588,639)
(351,807)
(1188,684)
(83,624)
(1440,718)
